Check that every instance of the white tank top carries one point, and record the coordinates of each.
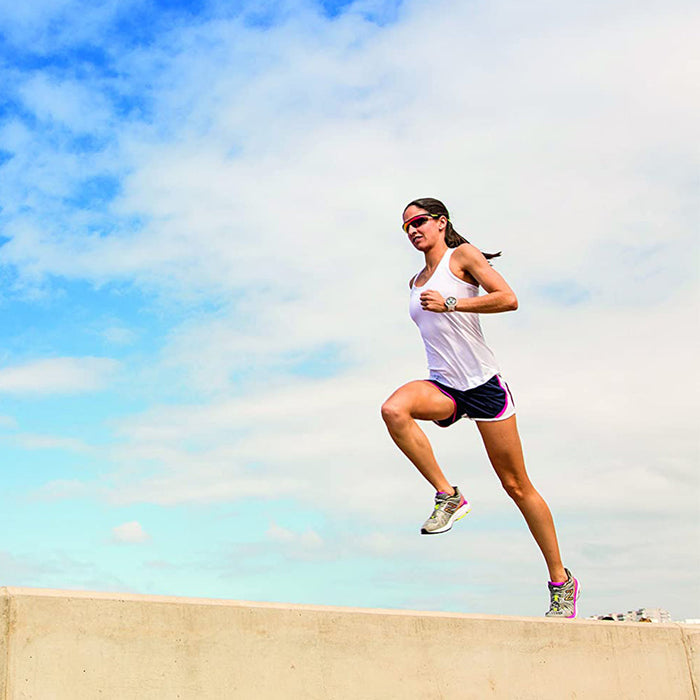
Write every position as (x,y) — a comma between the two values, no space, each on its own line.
(454,343)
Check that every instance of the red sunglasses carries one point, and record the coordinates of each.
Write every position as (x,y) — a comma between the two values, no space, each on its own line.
(418,221)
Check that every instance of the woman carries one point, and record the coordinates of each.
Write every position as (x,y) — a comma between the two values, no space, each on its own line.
(465,381)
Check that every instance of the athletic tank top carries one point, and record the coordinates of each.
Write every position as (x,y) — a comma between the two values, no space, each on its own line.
(454,343)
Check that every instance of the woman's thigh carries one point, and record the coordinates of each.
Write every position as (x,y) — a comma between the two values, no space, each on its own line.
(421,400)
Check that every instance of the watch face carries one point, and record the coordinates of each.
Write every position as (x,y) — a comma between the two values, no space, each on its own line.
(451,301)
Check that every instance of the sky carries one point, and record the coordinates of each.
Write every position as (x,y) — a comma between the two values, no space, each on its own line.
(204,300)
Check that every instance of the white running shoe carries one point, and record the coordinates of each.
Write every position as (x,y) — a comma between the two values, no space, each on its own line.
(447,510)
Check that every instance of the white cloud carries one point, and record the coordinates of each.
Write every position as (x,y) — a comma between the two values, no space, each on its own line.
(65,103)
(60,489)
(30,441)
(119,335)
(61,375)
(533,147)
(582,412)
(130,533)
(308,540)
(31,24)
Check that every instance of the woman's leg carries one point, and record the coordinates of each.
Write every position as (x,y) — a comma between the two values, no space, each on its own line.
(423,401)
(503,447)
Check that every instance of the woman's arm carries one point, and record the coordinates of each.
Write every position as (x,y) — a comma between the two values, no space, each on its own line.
(499,296)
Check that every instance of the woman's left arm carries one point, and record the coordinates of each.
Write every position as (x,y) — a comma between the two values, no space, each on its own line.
(499,296)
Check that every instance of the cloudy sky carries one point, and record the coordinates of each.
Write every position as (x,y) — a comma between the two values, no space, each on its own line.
(203,295)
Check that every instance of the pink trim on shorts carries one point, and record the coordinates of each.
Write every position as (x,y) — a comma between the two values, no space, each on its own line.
(454,413)
(506,392)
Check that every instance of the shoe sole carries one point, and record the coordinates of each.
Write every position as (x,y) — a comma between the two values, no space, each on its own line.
(457,515)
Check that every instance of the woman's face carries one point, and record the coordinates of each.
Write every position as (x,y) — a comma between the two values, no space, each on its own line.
(422,229)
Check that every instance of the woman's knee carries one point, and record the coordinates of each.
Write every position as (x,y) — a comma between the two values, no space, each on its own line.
(517,489)
(394,412)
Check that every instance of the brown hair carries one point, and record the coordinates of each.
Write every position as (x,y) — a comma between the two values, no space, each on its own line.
(436,208)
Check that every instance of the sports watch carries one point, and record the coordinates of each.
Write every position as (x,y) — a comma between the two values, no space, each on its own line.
(451,303)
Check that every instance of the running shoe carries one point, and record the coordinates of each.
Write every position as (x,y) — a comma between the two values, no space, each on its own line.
(563,597)
(447,510)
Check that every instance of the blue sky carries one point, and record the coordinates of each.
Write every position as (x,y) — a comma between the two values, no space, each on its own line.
(203,295)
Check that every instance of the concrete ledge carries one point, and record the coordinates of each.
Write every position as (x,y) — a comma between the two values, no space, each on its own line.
(61,645)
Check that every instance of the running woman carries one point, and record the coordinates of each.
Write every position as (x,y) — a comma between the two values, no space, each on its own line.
(465,380)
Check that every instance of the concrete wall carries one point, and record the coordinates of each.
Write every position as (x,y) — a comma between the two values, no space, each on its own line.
(58,645)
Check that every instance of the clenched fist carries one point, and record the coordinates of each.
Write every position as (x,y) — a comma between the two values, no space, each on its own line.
(431,300)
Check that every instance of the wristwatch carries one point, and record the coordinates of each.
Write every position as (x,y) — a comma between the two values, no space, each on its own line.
(451,303)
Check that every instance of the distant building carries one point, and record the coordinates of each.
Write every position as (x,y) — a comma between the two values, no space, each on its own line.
(641,615)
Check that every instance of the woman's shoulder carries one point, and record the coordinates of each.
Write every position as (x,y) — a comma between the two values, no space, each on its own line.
(465,258)
(466,252)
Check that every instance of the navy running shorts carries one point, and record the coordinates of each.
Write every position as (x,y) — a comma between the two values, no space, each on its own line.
(491,401)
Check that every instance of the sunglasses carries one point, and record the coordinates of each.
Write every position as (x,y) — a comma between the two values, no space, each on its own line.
(418,221)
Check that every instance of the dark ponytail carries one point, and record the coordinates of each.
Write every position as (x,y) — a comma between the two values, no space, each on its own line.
(437,208)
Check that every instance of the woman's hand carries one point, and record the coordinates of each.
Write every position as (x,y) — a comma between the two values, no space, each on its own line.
(431,300)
